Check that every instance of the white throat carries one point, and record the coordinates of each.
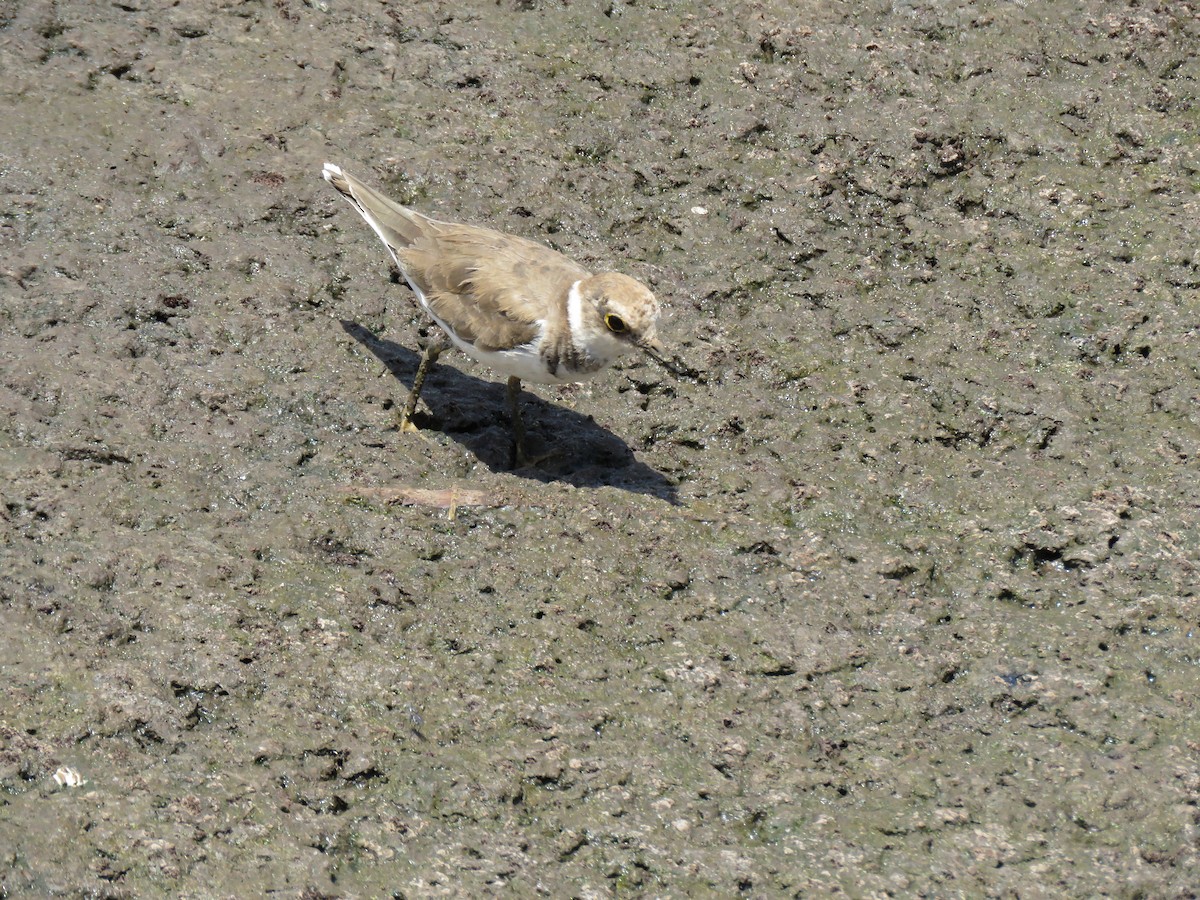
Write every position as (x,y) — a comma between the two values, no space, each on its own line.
(575,309)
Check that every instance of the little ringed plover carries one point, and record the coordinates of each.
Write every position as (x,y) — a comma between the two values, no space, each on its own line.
(510,303)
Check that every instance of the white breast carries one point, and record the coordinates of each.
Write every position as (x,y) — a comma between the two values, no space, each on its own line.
(525,362)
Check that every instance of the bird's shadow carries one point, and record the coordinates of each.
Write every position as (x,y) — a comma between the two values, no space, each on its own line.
(474,412)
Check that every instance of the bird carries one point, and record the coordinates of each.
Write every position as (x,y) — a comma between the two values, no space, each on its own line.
(513,304)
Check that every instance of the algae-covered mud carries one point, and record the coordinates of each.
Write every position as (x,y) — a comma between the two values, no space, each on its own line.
(899,599)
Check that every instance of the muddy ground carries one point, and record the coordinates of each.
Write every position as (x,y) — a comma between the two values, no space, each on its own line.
(899,601)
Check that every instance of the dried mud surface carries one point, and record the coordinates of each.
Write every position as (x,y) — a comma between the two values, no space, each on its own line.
(899,601)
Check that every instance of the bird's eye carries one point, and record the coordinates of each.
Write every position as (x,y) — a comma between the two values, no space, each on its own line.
(615,324)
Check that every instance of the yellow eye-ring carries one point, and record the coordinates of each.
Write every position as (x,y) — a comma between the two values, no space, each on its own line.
(615,324)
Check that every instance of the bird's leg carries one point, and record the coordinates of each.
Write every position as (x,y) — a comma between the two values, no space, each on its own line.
(518,426)
(433,350)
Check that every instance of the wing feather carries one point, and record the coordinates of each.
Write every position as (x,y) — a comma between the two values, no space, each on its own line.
(493,287)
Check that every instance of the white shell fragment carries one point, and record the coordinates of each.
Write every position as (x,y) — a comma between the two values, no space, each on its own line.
(65,776)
